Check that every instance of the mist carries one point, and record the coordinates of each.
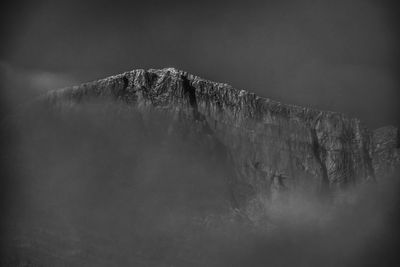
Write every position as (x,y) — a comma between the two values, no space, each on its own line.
(100,185)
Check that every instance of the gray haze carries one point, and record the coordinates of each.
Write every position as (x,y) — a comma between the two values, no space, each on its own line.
(100,186)
(334,55)
(93,187)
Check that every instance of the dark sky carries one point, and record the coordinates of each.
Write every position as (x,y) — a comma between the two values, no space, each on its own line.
(335,55)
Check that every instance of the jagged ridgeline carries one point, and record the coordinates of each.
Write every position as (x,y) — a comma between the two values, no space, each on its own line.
(271,147)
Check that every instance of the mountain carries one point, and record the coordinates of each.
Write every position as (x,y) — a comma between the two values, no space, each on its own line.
(271,147)
(164,168)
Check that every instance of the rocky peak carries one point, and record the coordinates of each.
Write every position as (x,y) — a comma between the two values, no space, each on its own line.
(313,150)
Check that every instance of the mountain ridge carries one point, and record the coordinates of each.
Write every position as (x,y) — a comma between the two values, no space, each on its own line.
(176,70)
(273,146)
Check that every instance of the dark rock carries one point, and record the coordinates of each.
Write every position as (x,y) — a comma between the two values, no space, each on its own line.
(386,150)
(315,151)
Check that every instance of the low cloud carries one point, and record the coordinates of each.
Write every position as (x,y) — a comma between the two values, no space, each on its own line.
(20,84)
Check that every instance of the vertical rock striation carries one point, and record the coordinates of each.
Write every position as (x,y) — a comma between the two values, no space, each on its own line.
(386,150)
(271,146)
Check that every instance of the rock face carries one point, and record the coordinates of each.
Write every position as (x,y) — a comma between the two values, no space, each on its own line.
(386,150)
(272,146)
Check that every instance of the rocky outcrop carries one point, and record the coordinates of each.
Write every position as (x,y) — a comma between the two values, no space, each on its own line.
(271,146)
(386,150)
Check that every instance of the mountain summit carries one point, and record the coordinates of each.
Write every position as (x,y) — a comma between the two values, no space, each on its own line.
(272,147)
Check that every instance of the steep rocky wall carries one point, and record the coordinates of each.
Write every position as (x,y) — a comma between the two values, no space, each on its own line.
(272,146)
(386,150)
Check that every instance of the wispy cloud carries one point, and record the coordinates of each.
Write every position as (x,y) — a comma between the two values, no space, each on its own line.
(35,79)
(20,84)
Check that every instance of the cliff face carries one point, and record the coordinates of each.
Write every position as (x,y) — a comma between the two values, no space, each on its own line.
(386,150)
(272,147)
